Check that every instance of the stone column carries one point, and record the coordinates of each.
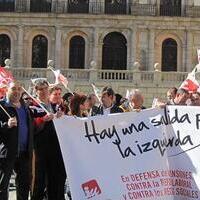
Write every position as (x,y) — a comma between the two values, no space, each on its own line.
(54,5)
(94,48)
(132,49)
(20,5)
(188,51)
(102,6)
(96,6)
(158,7)
(58,47)
(183,5)
(20,45)
(151,48)
(28,5)
(60,6)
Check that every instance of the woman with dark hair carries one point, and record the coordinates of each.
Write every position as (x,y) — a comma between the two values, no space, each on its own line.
(66,98)
(79,105)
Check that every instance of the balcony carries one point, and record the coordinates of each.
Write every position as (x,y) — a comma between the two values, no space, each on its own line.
(155,83)
(116,7)
(97,7)
(192,11)
(144,9)
(90,76)
(170,10)
(42,6)
(75,6)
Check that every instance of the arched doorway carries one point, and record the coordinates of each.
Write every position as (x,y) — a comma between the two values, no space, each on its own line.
(5,46)
(77,52)
(169,55)
(39,51)
(114,54)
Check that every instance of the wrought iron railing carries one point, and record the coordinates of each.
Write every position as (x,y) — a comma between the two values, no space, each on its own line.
(116,7)
(192,11)
(43,6)
(75,6)
(170,10)
(98,7)
(144,9)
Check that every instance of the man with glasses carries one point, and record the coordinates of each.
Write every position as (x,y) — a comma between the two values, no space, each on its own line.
(49,166)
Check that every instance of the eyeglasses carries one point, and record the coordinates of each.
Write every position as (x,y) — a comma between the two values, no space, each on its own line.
(42,88)
(27,98)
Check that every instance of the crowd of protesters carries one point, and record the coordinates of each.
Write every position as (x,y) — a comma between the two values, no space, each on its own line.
(28,140)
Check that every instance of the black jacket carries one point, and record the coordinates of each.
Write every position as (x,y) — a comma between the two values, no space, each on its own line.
(114,109)
(9,137)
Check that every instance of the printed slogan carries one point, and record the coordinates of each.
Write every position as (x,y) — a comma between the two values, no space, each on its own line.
(153,154)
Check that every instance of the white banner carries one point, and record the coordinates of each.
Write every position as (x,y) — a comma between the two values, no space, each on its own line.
(153,154)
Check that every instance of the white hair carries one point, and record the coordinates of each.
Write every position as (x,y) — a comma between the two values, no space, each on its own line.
(134,92)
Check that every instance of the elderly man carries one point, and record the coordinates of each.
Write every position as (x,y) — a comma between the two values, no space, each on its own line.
(181,97)
(135,102)
(16,134)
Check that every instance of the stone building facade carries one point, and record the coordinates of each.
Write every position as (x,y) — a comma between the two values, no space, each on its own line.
(166,32)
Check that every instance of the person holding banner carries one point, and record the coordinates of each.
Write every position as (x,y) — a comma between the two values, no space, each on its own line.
(92,99)
(135,102)
(195,99)
(66,98)
(50,173)
(182,95)
(16,132)
(108,103)
(56,99)
(171,94)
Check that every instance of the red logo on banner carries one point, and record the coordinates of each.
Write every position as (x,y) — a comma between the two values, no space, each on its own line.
(91,189)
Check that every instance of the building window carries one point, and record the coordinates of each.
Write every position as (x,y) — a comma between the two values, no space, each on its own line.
(77,53)
(40,5)
(78,6)
(5,45)
(114,52)
(115,6)
(169,55)
(39,52)
(7,5)
(170,7)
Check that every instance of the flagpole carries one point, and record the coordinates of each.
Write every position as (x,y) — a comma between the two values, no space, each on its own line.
(95,92)
(38,102)
(5,111)
(51,68)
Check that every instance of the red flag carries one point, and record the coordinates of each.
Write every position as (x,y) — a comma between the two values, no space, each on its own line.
(6,77)
(190,84)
